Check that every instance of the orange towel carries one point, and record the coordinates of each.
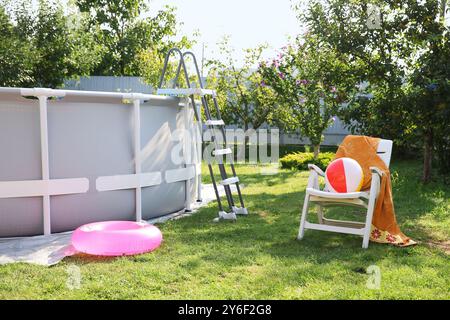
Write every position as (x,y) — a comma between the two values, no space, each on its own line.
(384,224)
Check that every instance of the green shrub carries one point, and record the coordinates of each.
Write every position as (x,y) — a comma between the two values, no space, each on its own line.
(300,160)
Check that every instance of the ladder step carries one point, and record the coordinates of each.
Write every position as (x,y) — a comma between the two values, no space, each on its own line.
(220,152)
(240,210)
(227,215)
(215,123)
(229,181)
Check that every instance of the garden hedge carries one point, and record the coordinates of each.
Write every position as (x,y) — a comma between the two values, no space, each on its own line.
(300,160)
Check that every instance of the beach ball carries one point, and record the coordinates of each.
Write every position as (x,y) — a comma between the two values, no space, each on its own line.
(344,175)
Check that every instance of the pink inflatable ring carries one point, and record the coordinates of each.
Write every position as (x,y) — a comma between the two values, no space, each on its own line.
(116,238)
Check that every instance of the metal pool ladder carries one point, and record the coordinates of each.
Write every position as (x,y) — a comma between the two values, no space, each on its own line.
(214,124)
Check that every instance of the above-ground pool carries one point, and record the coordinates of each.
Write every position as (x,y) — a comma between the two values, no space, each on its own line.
(68,158)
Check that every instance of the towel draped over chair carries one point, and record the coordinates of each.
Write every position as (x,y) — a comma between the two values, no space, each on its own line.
(384,223)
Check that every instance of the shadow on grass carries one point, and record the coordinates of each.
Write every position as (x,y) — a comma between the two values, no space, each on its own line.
(272,226)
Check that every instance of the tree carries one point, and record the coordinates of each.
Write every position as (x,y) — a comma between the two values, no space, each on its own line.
(311,81)
(244,99)
(149,62)
(428,91)
(130,39)
(16,58)
(42,46)
(403,60)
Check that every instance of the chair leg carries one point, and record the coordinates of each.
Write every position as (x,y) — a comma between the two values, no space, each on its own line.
(368,223)
(301,231)
(366,238)
(320,214)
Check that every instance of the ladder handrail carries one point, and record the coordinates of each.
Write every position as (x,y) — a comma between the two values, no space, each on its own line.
(223,173)
(197,70)
(199,76)
(222,129)
(216,106)
(181,64)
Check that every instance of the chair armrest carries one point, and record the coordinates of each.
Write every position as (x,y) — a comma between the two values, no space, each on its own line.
(377,171)
(376,181)
(316,169)
(314,173)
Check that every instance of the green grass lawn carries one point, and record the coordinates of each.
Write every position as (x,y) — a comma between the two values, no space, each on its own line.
(257,257)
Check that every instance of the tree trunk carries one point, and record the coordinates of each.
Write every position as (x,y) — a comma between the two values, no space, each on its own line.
(427,156)
(316,151)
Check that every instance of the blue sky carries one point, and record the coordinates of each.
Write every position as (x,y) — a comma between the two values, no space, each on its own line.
(248,22)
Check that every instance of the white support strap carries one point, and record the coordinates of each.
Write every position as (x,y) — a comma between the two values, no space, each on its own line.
(198,172)
(128,181)
(220,152)
(229,181)
(137,153)
(181,174)
(39,188)
(215,123)
(43,94)
(43,117)
(198,168)
(198,158)
(187,154)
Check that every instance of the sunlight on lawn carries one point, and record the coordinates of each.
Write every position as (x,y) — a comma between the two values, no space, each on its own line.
(258,257)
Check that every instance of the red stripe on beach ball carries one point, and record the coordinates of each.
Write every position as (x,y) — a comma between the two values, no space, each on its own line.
(344,175)
(336,176)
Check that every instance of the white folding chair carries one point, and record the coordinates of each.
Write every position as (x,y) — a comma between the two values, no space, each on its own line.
(362,199)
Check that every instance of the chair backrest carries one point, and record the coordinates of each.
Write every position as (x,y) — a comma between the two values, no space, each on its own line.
(384,150)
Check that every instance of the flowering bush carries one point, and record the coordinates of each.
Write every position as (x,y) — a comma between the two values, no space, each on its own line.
(311,83)
(405,62)
(243,97)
